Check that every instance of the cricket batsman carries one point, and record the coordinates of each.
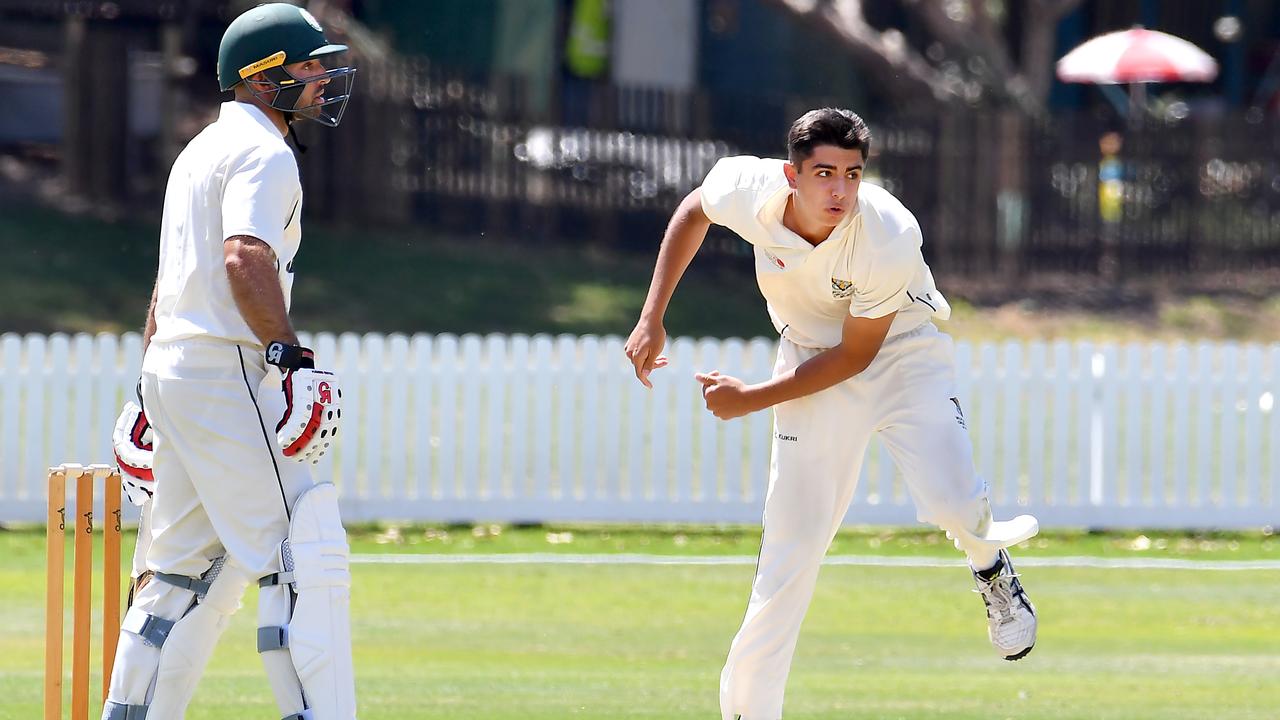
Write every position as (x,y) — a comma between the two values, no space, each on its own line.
(232,410)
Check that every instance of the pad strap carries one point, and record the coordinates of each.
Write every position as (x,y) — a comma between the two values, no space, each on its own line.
(272,637)
(195,585)
(119,711)
(304,715)
(153,630)
(280,578)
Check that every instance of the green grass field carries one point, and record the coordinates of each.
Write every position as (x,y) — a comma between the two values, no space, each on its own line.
(76,274)
(544,641)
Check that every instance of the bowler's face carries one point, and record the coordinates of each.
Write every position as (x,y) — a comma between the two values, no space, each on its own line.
(826,184)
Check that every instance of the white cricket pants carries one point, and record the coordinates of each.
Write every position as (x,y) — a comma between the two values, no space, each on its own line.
(222,487)
(222,484)
(907,396)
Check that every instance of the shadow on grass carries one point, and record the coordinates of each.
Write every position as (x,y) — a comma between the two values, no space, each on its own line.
(74,274)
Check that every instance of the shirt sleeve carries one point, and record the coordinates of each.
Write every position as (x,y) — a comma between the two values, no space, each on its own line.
(725,200)
(260,196)
(887,287)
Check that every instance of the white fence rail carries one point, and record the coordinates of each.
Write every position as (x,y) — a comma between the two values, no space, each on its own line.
(516,428)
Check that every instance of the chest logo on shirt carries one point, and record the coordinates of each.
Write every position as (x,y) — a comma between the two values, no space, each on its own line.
(775,260)
(841,288)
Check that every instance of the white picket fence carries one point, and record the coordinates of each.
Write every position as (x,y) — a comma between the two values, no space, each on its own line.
(516,428)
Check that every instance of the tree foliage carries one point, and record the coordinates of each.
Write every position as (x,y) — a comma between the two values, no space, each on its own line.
(976,53)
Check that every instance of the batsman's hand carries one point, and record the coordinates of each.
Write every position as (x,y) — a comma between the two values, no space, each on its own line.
(644,349)
(132,439)
(726,396)
(313,403)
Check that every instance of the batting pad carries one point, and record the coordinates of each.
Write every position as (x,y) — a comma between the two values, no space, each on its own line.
(319,632)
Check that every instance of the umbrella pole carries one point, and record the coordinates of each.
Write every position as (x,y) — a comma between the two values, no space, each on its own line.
(1137,104)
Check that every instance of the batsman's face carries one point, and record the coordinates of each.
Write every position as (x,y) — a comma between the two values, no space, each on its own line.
(303,71)
(826,184)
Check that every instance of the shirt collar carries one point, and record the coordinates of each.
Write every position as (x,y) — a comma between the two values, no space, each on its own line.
(776,205)
(237,111)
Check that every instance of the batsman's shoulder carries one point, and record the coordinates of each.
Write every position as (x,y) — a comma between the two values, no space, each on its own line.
(276,152)
(273,162)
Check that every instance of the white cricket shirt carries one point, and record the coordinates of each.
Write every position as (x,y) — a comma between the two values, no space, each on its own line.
(868,267)
(237,177)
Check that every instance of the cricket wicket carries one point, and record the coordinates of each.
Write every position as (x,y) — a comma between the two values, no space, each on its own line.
(84,478)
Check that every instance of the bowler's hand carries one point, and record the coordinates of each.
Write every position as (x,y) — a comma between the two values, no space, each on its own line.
(726,396)
(644,349)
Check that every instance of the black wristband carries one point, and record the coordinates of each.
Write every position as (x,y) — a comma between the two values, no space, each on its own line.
(290,357)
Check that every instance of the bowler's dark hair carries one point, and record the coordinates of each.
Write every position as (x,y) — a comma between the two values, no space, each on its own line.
(827,126)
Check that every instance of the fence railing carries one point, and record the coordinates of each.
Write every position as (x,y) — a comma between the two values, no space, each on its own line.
(516,428)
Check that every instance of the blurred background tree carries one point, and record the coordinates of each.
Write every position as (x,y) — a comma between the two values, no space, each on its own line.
(976,52)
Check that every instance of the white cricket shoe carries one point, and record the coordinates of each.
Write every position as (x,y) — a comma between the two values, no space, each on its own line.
(1011,618)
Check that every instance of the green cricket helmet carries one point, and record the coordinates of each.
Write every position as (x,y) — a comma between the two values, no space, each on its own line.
(265,40)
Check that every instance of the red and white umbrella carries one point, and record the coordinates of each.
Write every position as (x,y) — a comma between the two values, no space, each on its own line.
(1137,56)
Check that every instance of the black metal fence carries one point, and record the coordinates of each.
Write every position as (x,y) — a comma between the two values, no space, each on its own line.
(603,166)
(993,192)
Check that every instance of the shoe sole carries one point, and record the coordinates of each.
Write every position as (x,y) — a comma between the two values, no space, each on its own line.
(1020,655)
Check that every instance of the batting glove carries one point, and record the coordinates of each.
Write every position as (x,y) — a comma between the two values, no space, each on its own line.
(132,439)
(313,403)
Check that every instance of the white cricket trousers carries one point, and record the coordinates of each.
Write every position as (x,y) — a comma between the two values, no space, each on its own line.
(222,484)
(908,396)
(222,488)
